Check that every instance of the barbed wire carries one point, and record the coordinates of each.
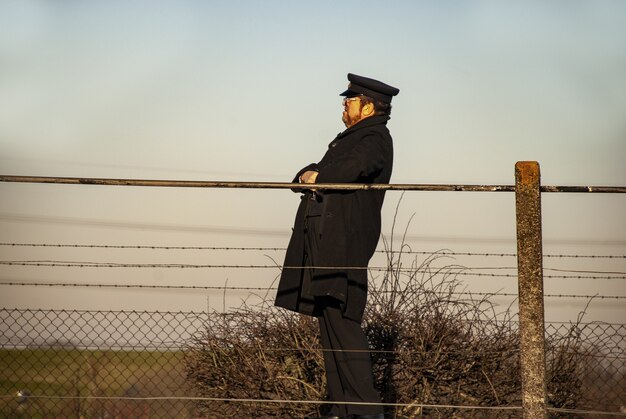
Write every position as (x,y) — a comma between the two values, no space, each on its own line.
(231,288)
(246,248)
(446,270)
(582,271)
(149,247)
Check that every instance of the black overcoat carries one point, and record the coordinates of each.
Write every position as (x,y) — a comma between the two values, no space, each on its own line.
(350,222)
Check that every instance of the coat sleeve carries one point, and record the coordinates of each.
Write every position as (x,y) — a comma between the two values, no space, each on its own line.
(364,160)
(296,179)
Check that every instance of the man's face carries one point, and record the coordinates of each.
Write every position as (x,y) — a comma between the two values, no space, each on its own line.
(351,111)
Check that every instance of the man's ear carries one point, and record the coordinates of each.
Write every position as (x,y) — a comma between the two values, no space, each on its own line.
(368,109)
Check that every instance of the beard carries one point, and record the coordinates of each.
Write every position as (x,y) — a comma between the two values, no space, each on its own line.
(348,120)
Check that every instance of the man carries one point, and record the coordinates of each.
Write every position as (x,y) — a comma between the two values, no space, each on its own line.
(334,236)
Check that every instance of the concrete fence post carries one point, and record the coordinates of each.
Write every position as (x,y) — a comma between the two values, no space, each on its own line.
(530,283)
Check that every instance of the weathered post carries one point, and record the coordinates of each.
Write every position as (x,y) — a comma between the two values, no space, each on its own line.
(530,285)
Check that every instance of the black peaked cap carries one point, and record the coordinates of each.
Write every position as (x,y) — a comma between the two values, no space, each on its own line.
(375,89)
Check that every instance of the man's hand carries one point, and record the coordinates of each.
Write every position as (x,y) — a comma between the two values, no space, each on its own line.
(308,177)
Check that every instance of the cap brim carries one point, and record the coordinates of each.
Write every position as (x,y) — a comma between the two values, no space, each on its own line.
(350,93)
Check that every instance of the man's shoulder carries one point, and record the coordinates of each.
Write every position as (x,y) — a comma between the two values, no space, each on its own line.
(375,132)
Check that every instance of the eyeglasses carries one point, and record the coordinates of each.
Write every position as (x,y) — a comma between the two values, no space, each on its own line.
(349,99)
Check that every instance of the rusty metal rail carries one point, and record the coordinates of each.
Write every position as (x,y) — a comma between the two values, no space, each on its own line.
(284,185)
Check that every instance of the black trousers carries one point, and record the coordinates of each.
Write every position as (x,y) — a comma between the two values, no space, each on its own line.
(346,351)
(348,364)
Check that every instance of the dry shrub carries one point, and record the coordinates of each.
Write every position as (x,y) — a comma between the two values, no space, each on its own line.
(256,353)
(431,344)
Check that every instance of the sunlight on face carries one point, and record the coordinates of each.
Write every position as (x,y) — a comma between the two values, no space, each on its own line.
(351,111)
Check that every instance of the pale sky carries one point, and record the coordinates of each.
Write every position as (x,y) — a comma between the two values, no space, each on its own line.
(243,90)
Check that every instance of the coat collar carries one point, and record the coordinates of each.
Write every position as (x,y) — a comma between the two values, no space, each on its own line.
(367,122)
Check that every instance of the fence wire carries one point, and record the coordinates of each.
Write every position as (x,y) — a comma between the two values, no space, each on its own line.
(443,252)
(232,288)
(457,271)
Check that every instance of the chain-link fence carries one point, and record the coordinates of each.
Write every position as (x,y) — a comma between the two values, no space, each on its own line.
(67,363)
(60,363)
(599,363)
